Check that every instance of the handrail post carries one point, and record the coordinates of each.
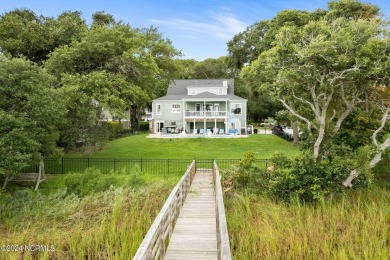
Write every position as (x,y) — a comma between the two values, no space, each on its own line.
(162,240)
(222,231)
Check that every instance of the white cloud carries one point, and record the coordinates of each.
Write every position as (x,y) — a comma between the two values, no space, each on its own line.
(221,25)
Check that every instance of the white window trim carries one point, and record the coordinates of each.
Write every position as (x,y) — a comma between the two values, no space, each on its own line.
(158,112)
(233,106)
(176,108)
(192,91)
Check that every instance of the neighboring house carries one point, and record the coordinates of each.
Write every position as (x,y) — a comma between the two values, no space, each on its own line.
(107,116)
(200,106)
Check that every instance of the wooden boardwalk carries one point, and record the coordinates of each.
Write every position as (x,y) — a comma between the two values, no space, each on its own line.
(195,233)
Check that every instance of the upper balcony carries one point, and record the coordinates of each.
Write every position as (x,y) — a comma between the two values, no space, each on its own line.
(206,114)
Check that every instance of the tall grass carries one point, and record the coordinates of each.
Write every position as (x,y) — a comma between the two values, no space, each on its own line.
(109,224)
(352,226)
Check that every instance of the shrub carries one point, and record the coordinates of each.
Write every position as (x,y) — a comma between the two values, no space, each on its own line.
(115,128)
(144,126)
(305,178)
(247,175)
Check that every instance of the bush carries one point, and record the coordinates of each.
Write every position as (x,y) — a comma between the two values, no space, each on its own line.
(305,178)
(115,128)
(144,126)
(247,175)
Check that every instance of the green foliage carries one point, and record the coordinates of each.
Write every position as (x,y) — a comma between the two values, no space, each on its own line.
(299,68)
(30,112)
(144,126)
(116,128)
(383,167)
(247,175)
(207,69)
(306,179)
(23,33)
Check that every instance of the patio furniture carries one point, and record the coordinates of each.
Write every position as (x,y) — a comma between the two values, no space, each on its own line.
(221,131)
(201,131)
(194,131)
(208,131)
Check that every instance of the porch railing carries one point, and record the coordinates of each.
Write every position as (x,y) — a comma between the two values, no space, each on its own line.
(207,114)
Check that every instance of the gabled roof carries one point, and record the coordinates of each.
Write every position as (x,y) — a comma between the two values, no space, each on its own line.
(178,89)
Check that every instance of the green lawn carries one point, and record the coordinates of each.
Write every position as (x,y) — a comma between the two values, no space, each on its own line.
(139,146)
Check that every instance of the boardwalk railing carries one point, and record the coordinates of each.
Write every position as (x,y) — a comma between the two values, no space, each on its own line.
(222,231)
(154,244)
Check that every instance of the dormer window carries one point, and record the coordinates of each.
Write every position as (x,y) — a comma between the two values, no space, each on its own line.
(225,84)
(192,91)
(221,91)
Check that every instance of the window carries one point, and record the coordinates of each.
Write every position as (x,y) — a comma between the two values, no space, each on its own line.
(192,91)
(236,109)
(221,91)
(158,109)
(176,108)
(209,107)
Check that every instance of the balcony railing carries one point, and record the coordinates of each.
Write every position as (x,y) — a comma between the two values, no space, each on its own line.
(206,114)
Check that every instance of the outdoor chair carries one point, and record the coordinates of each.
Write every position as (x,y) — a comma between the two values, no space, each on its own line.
(201,131)
(195,131)
(208,131)
(221,131)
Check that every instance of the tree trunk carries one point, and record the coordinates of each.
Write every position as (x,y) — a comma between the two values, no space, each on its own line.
(374,161)
(295,132)
(320,138)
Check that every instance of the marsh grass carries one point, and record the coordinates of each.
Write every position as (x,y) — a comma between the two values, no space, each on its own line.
(106,224)
(352,226)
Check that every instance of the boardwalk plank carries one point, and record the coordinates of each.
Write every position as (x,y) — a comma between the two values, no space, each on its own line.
(195,233)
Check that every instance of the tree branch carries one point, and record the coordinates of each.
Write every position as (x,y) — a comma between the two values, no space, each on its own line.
(378,156)
(314,108)
(384,119)
(309,124)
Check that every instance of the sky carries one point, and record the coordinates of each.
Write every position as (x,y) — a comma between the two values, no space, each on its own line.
(198,28)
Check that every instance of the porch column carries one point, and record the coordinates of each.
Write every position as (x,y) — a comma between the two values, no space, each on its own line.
(194,126)
(184,115)
(215,125)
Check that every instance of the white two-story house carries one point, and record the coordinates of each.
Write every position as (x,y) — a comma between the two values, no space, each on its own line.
(200,106)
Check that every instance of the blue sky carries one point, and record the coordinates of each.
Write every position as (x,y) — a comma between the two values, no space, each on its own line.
(199,28)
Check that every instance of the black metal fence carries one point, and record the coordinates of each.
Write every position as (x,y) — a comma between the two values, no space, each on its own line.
(155,166)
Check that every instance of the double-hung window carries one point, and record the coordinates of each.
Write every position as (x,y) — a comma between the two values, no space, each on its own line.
(176,108)
(158,109)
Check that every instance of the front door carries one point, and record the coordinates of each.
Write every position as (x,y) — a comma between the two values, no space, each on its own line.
(216,109)
(160,126)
